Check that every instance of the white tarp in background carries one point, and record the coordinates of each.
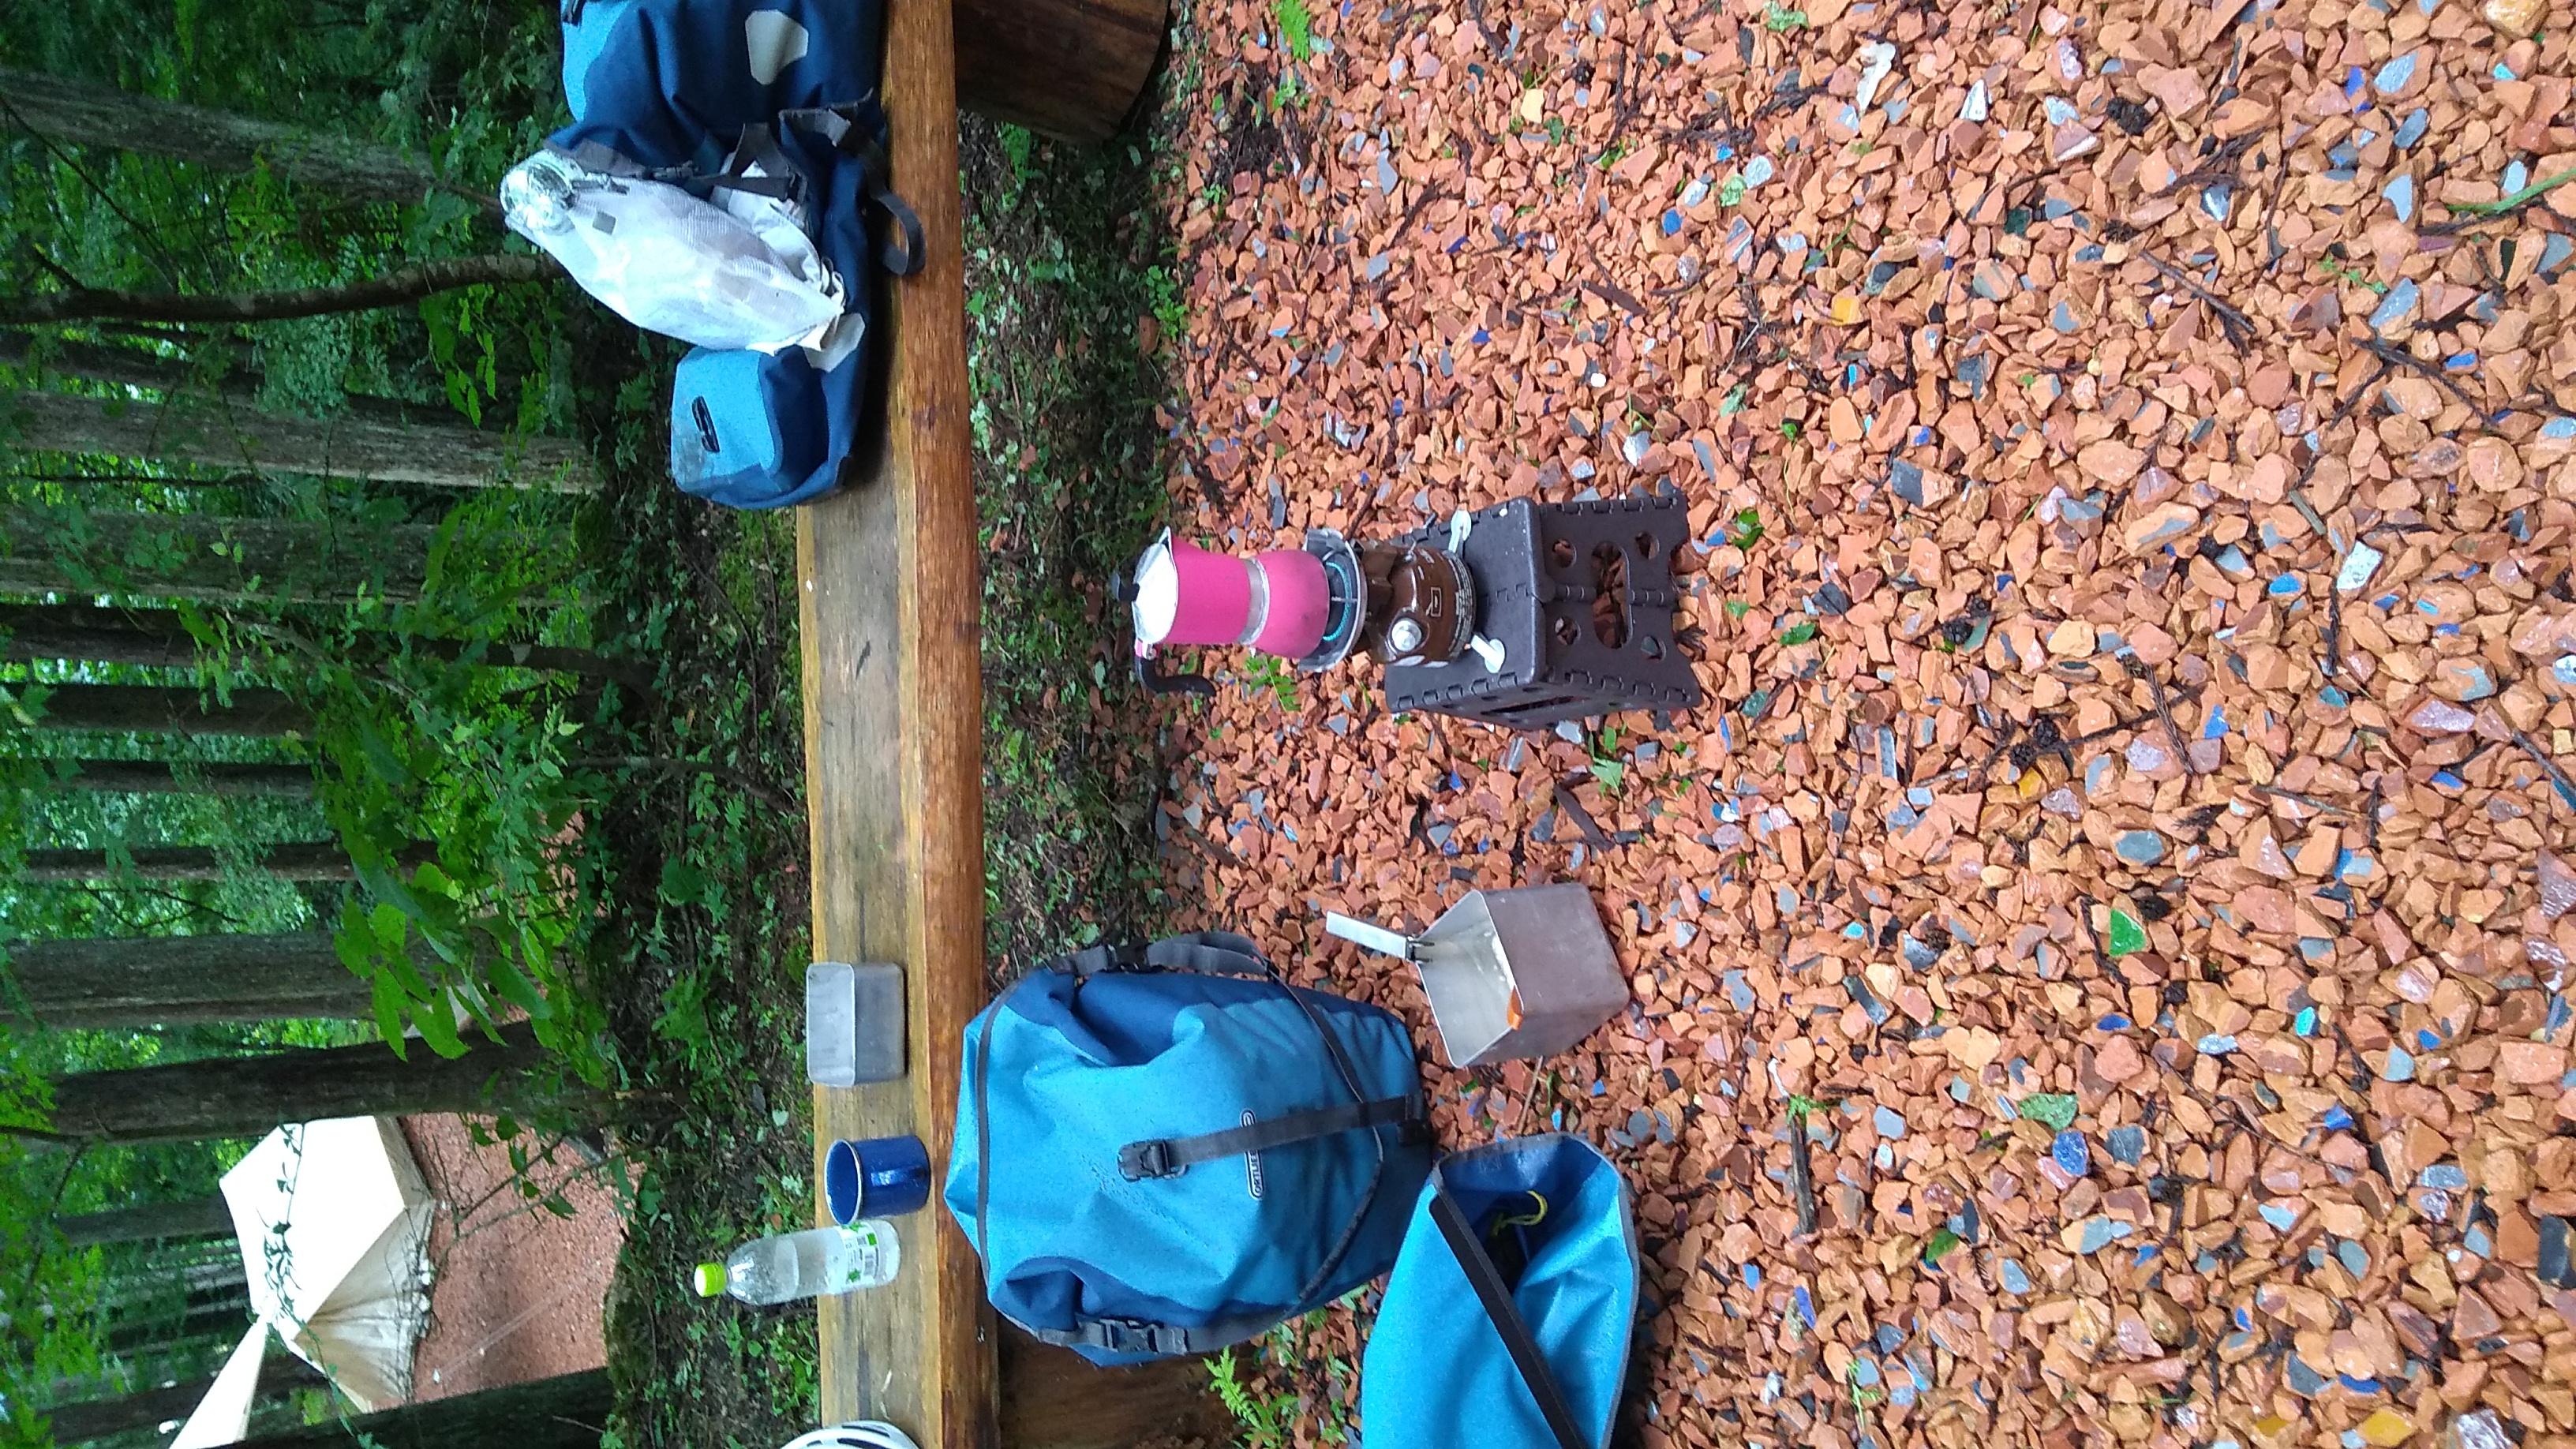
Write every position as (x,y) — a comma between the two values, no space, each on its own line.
(334,1221)
(223,1415)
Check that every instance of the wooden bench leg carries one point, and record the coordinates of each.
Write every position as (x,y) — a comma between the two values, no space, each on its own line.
(1070,68)
(1052,1399)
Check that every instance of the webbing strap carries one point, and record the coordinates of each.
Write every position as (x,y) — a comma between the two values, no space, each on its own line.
(1215,953)
(857,129)
(1518,1341)
(1172,1156)
(1135,1335)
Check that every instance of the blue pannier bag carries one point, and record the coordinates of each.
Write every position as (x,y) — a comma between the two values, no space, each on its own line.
(1506,1322)
(768,98)
(1167,1150)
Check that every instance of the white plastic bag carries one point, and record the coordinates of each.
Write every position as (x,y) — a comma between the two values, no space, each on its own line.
(742,274)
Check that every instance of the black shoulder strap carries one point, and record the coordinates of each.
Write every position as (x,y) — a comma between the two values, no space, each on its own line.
(857,129)
(1171,1156)
(1517,1339)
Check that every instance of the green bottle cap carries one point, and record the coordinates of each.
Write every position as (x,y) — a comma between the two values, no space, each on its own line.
(710,1279)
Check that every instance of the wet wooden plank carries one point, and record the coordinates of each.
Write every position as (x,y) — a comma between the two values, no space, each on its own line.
(893,731)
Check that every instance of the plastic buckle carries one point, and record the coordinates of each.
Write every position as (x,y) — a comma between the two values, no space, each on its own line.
(1134,1335)
(1140,1160)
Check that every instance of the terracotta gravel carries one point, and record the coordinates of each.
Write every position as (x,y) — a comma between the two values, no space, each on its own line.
(2130,453)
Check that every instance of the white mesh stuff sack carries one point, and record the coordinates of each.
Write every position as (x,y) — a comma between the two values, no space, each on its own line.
(738,275)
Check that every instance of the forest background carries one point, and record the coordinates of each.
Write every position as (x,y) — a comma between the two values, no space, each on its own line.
(365,684)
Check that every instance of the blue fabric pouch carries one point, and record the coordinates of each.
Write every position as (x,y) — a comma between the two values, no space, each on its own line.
(1507,1319)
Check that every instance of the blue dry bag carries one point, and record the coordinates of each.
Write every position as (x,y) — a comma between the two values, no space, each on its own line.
(1506,1322)
(1169,1150)
(774,98)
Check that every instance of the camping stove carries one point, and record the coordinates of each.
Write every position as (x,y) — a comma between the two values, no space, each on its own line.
(1402,603)
(1523,614)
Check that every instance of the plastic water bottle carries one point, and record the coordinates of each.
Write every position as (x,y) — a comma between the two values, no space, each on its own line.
(807,1264)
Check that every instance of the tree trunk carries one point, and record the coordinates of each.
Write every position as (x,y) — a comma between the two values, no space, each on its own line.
(406,284)
(132,367)
(209,559)
(204,1217)
(153,637)
(74,1423)
(158,637)
(143,980)
(153,709)
(565,1412)
(222,1313)
(159,777)
(73,113)
(124,981)
(248,1096)
(301,860)
(348,447)
(142,1409)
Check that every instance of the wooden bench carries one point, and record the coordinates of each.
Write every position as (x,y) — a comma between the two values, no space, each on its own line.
(893,748)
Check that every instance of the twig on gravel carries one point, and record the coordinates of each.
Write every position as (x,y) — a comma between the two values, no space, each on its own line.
(2138,669)
(1802,1171)
(1583,821)
(1611,292)
(2557,777)
(2101,952)
(2240,328)
(2400,357)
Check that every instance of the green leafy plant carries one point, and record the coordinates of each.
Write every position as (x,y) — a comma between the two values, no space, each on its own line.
(1266,1420)
(1777,17)
(1745,529)
(1296,27)
(1270,672)
(1607,767)
(1798,633)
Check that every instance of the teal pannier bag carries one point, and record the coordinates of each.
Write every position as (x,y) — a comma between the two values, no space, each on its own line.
(1507,1319)
(1168,1149)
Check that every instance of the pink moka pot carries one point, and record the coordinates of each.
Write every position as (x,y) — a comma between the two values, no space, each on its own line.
(1277,601)
(1314,606)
